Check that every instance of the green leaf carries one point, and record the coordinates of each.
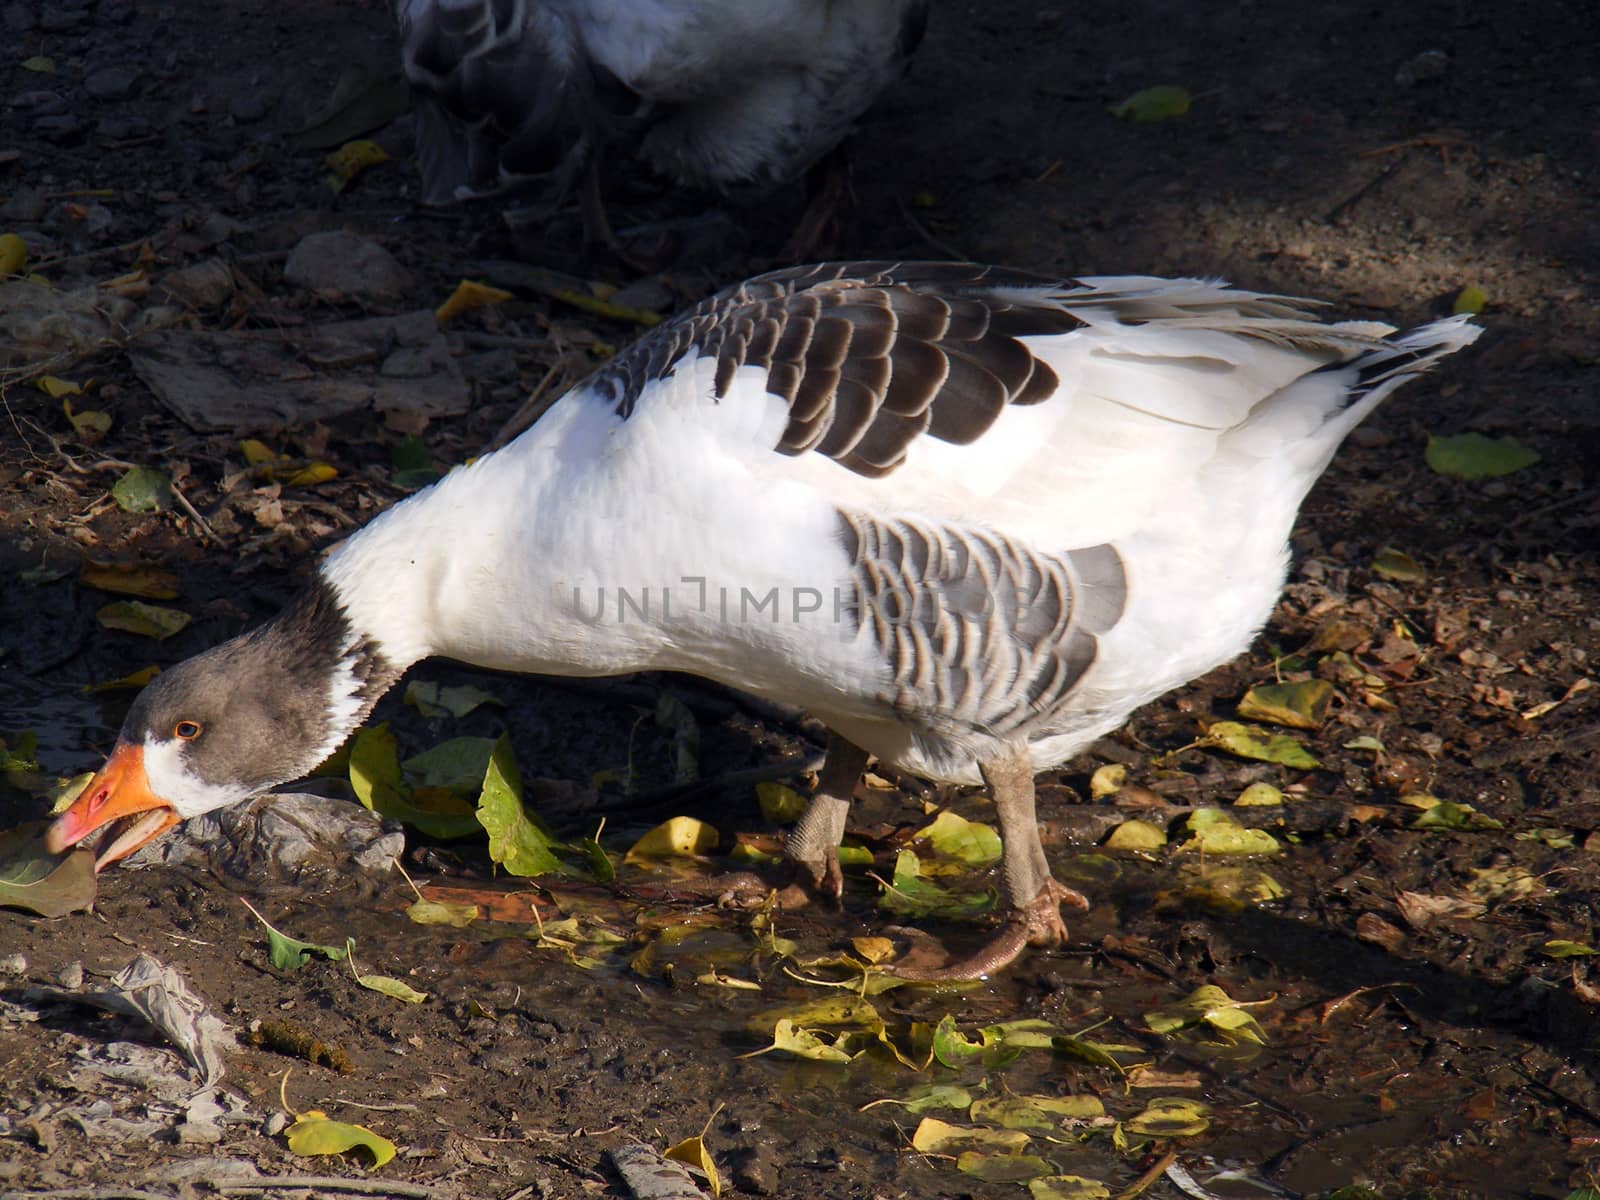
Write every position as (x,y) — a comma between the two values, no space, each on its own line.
(516,841)
(436,912)
(952,1047)
(1299,705)
(289,954)
(1260,744)
(1154,104)
(146,620)
(1446,814)
(1470,299)
(1399,567)
(1067,1187)
(913,895)
(1002,1168)
(1259,795)
(375,776)
(1208,1005)
(780,803)
(49,885)
(1171,1116)
(431,700)
(928,1096)
(802,1043)
(953,836)
(1136,835)
(314,1134)
(361,102)
(40,64)
(142,489)
(21,754)
(1561,948)
(1045,1114)
(934,1136)
(1215,832)
(1473,456)
(456,764)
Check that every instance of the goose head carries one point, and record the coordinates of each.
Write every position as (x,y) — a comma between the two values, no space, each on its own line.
(240,719)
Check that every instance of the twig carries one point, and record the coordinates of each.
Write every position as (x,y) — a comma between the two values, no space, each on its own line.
(194,515)
(107,1193)
(334,1183)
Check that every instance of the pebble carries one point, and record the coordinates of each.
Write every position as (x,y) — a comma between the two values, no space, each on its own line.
(1430,64)
(60,18)
(112,83)
(201,286)
(250,106)
(13,964)
(17,17)
(345,263)
(71,976)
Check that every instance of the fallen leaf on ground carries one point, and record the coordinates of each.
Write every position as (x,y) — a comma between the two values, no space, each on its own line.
(153,583)
(142,489)
(147,620)
(350,159)
(290,954)
(49,885)
(516,841)
(1154,104)
(1260,744)
(1473,456)
(470,294)
(1299,705)
(314,1134)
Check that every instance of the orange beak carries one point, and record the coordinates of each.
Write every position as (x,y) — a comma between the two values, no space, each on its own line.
(118,800)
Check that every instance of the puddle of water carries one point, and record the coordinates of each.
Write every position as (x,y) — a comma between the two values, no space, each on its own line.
(69,725)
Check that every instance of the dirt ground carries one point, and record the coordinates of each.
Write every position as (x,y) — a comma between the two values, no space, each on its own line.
(1420,1038)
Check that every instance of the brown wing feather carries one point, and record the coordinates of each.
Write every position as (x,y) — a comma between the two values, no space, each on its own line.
(869,356)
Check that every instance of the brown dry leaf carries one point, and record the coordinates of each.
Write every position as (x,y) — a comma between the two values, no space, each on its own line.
(1420,909)
(126,579)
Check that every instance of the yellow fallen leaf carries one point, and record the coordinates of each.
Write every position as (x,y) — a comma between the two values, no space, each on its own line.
(934,1136)
(352,158)
(311,474)
(1107,780)
(693,1152)
(136,679)
(1299,705)
(680,837)
(56,388)
(469,294)
(313,1134)
(152,583)
(90,425)
(258,454)
(1471,299)
(1136,835)
(13,254)
(1154,104)
(148,620)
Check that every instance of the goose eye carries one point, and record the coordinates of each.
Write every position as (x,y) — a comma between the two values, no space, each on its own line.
(187,730)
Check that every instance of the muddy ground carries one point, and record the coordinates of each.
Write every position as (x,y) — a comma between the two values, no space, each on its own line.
(1420,1039)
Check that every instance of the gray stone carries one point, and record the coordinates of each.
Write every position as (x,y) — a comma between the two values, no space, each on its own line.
(202,286)
(61,18)
(112,83)
(250,106)
(346,264)
(18,18)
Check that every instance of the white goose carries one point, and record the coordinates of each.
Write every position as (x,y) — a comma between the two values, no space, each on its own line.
(725,94)
(969,517)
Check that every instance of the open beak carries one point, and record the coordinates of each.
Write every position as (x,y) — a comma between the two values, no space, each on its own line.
(119,801)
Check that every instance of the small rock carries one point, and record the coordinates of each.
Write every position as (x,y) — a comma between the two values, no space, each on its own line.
(13,964)
(120,128)
(1429,65)
(41,101)
(60,18)
(71,976)
(63,128)
(202,286)
(347,264)
(250,106)
(17,17)
(273,1124)
(111,83)
(24,206)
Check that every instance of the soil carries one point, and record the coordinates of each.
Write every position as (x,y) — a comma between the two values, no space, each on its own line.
(1419,1036)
